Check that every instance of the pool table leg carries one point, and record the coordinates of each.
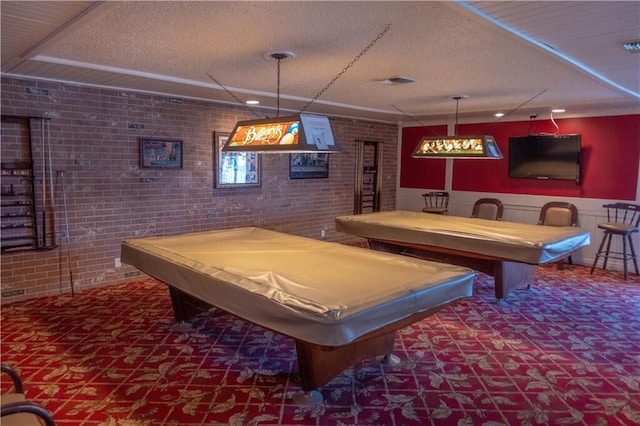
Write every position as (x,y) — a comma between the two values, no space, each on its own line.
(185,306)
(318,364)
(511,275)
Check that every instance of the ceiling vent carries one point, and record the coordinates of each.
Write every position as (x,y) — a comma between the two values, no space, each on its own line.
(632,46)
(398,80)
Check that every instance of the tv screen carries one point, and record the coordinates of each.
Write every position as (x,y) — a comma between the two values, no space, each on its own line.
(545,157)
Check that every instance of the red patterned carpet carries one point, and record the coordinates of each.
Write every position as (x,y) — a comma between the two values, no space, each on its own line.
(566,352)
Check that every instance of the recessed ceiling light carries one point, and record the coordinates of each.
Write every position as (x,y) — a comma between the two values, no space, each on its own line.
(252,102)
(558,110)
(499,114)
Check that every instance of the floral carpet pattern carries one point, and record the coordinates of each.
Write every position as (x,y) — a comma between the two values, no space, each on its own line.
(566,352)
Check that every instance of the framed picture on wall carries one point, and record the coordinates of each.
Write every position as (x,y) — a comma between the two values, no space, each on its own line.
(308,166)
(160,153)
(234,169)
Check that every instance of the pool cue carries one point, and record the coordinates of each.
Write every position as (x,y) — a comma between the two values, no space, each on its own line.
(44,187)
(51,193)
(66,225)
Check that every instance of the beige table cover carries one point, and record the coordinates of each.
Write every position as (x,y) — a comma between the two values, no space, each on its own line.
(518,242)
(319,292)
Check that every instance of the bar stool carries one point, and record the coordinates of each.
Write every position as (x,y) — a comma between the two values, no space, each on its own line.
(623,220)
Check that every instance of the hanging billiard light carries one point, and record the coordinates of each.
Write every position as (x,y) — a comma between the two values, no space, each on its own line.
(477,146)
(300,133)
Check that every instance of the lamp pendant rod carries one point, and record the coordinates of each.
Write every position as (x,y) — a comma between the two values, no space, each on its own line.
(278,56)
(278,90)
(455,127)
(457,99)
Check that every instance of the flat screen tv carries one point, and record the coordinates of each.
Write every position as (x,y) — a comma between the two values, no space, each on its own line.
(545,157)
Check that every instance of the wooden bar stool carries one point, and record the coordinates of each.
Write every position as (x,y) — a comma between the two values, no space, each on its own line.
(436,202)
(622,220)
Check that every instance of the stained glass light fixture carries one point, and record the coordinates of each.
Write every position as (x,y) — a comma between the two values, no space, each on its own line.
(477,146)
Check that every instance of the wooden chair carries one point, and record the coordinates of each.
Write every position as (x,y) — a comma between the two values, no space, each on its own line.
(15,410)
(558,213)
(488,208)
(436,202)
(623,220)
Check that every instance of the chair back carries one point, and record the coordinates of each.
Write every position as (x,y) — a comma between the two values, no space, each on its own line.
(623,213)
(557,213)
(487,208)
(16,410)
(436,202)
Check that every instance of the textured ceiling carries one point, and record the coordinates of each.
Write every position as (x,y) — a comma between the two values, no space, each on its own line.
(554,54)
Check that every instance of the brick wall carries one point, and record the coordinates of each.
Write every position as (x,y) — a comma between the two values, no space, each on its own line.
(110,198)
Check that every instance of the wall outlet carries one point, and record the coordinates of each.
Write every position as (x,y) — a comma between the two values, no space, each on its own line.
(323,233)
(117,262)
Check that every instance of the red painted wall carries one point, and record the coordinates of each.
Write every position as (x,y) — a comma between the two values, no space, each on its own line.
(610,159)
(417,172)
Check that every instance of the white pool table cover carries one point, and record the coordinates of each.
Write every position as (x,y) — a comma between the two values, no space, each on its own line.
(316,291)
(518,242)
